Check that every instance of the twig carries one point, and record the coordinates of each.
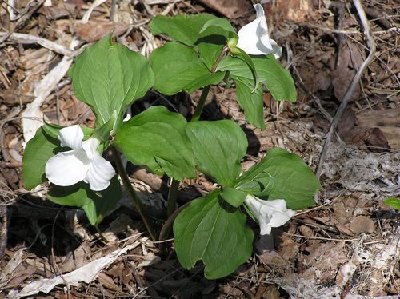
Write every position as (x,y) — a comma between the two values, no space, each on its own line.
(154,2)
(355,81)
(320,238)
(32,39)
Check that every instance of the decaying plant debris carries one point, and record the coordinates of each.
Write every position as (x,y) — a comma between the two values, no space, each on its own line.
(347,245)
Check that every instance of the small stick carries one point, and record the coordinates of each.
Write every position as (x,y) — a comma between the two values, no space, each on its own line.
(354,82)
(32,39)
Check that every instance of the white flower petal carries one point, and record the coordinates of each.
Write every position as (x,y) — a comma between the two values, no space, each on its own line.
(71,136)
(90,147)
(67,168)
(99,174)
(254,39)
(278,213)
(271,213)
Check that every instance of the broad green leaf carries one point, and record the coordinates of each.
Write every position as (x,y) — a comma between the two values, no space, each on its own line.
(239,53)
(157,138)
(105,131)
(277,80)
(233,196)
(37,152)
(218,236)
(218,148)
(393,202)
(213,38)
(108,77)
(96,205)
(181,28)
(51,129)
(222,25)
(281,175)
(251,102)
(178,68)
(210,46)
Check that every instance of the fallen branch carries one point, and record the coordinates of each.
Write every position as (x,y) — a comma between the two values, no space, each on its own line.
(354,82)
(32,39)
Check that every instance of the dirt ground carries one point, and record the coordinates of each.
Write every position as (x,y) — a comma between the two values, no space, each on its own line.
(347,246)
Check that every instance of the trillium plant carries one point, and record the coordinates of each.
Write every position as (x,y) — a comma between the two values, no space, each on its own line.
(202,50)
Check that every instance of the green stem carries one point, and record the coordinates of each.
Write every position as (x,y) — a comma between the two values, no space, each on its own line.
(206,90)
(172,195)
(200,105)
(173,190)
(220,57)
(137,203)
(166,228)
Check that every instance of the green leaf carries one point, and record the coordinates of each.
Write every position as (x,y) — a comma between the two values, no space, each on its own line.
(392,202)
(269,71)
(233,196)
(96,205)
(105,131)
(211,46)
(222,25)
(52,130)
(281,175)
(157,138)
(37,152)
(108,77)
(218,148)
(251,102)
(219,237)
(239,53)
(178,68)
(213,38)
(181,28)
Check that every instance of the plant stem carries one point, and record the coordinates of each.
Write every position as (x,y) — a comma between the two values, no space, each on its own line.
(166,228)
(220,57)
(200,105)
(206,90)
(172,195)
(173,189)
(137,203)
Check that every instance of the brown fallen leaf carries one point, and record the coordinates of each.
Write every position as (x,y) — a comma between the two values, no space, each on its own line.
(94,30)
(362,224)
(349,61)
(230,8)
(298,11)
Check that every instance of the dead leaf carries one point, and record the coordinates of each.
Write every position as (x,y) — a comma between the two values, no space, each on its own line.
(362,224)
(298,11)
(349,61)
(274,260)
(94,30)
(86,273)
(230,8)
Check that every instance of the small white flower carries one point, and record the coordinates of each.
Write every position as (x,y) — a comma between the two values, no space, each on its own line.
(254,38)
(81,163)
(269,213)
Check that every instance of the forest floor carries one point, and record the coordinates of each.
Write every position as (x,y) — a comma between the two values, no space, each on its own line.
(347,246)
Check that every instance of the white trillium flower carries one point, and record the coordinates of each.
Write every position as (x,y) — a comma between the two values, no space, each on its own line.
(269,213)
(254,38)
(81,163)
